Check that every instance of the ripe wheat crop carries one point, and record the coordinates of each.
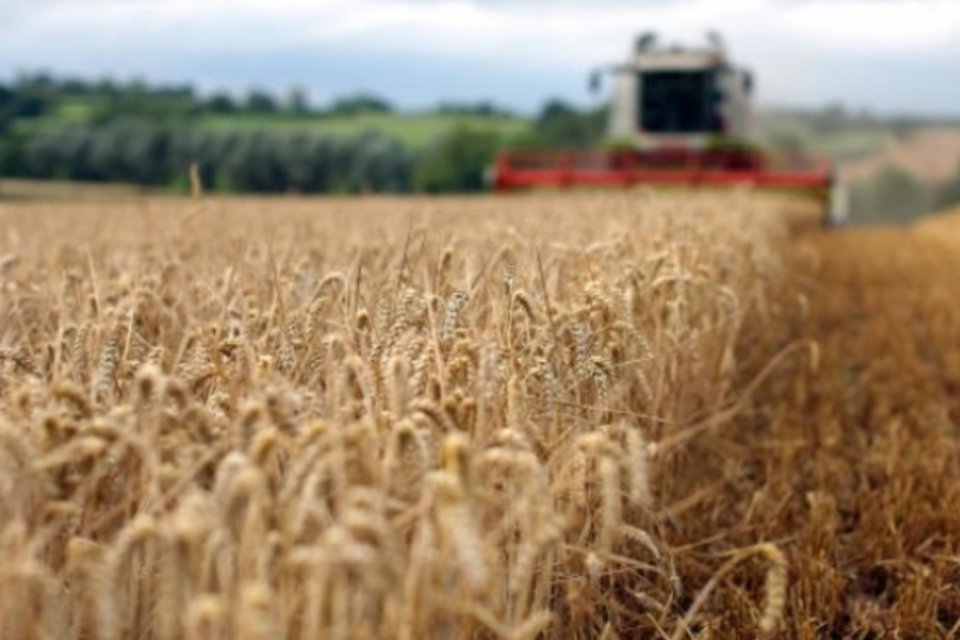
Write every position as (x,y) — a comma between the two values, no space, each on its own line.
(536,417)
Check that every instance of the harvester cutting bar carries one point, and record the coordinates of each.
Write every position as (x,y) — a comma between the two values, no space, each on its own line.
(674,167)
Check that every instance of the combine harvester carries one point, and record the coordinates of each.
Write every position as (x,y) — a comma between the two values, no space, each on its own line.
(679,117)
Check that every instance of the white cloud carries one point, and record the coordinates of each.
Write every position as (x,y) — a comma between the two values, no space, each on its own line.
(789,42)
(519,31)
(918,26)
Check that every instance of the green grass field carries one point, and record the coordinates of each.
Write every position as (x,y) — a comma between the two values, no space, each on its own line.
(415,130)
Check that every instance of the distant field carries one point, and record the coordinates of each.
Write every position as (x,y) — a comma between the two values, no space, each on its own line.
(415,130)
(774,127)
(930,154)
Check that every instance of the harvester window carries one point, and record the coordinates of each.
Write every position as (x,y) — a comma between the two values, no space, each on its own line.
(678,102)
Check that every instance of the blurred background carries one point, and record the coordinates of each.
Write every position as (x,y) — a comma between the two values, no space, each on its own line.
(341,96)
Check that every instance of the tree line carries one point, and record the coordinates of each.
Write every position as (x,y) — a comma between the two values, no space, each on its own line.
(149,135)
(35,95)
(144,153)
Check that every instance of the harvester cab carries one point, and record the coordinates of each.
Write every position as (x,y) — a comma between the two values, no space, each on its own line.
(674,97)
(678,117)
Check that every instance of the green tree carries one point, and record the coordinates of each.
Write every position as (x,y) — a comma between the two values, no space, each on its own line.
(359,104)
(260,102)
(11,155)
(457,162)
(560,125)
(297,102)
(221,103)
(6,108)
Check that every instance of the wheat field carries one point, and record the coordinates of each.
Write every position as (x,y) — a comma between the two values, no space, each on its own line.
(632,415)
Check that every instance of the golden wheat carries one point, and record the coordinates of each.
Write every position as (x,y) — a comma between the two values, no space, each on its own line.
(537,417)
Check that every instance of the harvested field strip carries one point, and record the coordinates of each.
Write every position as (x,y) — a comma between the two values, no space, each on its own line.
(867,485)
(930,154)
(848,458)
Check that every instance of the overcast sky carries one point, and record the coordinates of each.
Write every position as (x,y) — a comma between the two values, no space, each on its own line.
(889,55)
